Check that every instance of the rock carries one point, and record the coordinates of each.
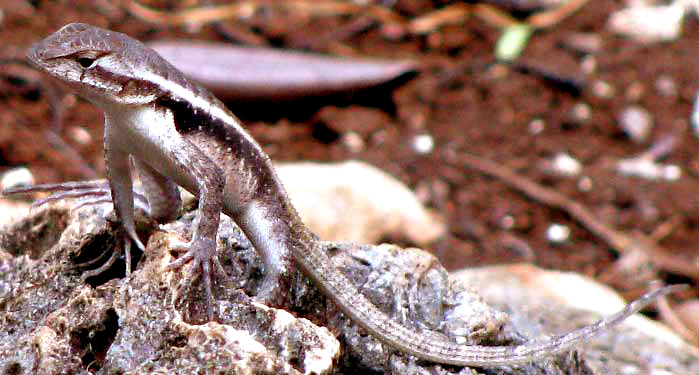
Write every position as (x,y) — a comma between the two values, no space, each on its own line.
(54,323)
(541,303)
(11,210)
(649,23)
(636,122)
(354,201)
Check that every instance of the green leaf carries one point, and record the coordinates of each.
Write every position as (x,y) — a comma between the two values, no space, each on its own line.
(512,42)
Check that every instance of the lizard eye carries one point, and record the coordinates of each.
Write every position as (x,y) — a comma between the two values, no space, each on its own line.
(86,62)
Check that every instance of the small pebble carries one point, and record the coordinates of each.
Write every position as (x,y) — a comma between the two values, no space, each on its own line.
(630,370)
(581,112)
(353,142)
(80,135)
(647,168)
(423,144)
(507,222)
(558,233)
(588,43)
(603,89)
(588,65)
(585,184)
(649,24)
(566,165)
(636,122)
(536,126)
(16,177)
(666,86)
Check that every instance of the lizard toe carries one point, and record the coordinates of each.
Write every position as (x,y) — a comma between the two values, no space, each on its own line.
(202,255)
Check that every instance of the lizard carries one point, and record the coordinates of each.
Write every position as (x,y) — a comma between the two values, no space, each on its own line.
(179,134)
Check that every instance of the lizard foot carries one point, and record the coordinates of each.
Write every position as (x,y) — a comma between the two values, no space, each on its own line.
(201,252)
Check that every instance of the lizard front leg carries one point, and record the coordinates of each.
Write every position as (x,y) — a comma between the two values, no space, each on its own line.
(120,184)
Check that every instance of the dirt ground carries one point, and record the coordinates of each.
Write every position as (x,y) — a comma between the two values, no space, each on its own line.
(560,97)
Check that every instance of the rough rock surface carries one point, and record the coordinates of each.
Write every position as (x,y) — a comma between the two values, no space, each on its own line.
(52,322)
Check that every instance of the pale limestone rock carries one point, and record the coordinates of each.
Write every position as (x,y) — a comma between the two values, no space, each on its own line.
(354,201)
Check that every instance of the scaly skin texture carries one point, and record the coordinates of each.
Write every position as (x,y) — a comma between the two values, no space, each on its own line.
(180,134)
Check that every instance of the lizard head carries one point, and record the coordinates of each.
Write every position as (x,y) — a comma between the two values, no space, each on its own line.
(97,64)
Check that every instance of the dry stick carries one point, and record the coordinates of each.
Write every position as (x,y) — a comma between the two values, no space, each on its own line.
(199,15)
(449,15)
(207,14)
(621,242)
(355,27)
(236,32)
(494,16)
(551,17)
(541,20)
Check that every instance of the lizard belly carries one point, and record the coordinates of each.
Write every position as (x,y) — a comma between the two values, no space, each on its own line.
(149,135)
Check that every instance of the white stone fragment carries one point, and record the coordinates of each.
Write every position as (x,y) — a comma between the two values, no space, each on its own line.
(565,164)
(666,86)
(16,177)
(585,184)
(557,233)
(353,142)
(423,144)
(648,168)
(354,201)
(507,222)
(536,126)
(581,112)
(649,24)
(603,89)
(636,122)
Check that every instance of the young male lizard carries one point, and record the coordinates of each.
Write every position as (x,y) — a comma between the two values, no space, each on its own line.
(180,134)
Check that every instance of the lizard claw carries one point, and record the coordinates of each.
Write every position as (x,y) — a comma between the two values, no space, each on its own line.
(201,252)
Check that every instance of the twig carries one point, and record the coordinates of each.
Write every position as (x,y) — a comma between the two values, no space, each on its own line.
(625,244)
(494,16)
(198,15)
(452,14)
(245,9)
(552,17)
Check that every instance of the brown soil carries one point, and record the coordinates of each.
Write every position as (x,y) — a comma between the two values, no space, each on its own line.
(461,97)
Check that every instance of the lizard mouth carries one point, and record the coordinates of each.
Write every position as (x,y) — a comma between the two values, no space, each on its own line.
(34,55)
